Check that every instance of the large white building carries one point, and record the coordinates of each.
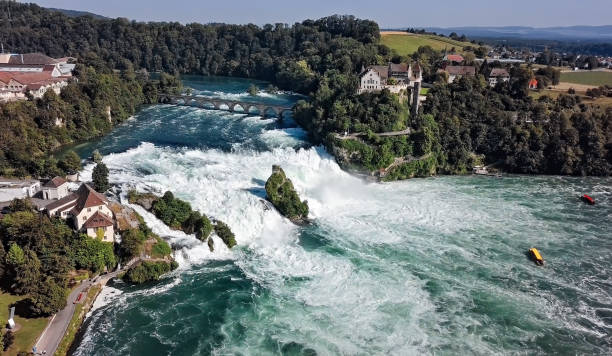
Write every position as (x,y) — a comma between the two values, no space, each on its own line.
(36,63)
(89,212)
(32,73)
(395,77)
(17,188)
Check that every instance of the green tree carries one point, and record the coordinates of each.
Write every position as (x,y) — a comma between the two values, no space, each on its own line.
(49,298)
(15,256)
(132,243)
(100,178)
(71,162)
(96,156)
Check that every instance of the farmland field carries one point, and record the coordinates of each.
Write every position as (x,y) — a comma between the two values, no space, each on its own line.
(408,43)
(596,78)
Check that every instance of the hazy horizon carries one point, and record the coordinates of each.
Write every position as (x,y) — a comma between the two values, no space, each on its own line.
(388,14)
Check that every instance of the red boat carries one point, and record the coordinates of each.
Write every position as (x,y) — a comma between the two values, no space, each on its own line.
(587,199)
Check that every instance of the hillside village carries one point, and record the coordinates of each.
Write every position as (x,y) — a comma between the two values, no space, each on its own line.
(30,75)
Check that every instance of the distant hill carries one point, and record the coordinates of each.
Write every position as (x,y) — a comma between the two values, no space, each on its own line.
(590,33)
(76,13)
(408,43)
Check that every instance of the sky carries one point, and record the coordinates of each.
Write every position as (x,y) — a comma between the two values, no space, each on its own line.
(388,14)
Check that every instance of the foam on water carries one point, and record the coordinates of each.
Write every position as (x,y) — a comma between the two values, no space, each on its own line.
(423,266)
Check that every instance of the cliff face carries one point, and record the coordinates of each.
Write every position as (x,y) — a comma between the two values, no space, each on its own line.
(281,193)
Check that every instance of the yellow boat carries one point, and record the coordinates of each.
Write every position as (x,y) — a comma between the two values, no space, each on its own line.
(535,256)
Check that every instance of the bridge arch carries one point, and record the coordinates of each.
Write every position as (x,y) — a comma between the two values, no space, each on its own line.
(260,109)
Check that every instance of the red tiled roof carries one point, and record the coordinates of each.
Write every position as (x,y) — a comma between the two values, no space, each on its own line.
(6,77)
(31,58)
(98,219)
(88,197)
(402,67)
(454,58)
(499,72)
(461,70)
(55,182)
(69,199)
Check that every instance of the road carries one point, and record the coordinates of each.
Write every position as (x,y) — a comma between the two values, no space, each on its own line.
(54,333)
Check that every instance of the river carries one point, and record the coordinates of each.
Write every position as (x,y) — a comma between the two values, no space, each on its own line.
(422,266)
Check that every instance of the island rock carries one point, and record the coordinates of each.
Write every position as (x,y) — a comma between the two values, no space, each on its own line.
(281,193)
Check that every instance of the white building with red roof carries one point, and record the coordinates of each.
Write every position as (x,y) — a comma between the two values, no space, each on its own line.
(56,188)
(498,75)
(89,212)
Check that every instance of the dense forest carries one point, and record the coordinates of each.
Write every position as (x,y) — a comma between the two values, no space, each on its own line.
(461,124)
(89,107)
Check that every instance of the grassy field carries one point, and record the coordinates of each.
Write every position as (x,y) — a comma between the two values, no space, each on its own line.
(601,101)
(30,329)
(596,78)
(408,43)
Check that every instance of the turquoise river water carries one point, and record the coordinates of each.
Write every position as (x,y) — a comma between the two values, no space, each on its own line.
(424,266)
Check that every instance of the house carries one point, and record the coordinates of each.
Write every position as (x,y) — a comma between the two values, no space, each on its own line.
(456,72)
(56,188)
(36,63)
(88,211)
(456,58)
(18,188)
(395,77)
(498,75)
(533,83)
(36,84)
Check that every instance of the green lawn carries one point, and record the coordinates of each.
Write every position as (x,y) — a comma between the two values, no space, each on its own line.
(410,43)
(597,78)
(30,328)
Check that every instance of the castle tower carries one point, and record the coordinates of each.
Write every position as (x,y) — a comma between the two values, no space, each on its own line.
(416,90)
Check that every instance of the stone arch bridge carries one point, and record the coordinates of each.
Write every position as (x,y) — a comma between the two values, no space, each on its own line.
(217,103)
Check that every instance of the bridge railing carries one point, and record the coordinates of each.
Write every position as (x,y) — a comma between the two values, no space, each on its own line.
(217,103)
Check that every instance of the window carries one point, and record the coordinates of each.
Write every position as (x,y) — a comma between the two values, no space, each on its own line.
(89,210)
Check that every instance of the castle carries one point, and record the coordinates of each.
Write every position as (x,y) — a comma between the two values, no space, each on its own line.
(395,77)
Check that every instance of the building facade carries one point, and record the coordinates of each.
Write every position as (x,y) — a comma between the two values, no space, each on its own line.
(394,77)
(17,188)
(56,188)
(457,72)
(88,211)
(498,75)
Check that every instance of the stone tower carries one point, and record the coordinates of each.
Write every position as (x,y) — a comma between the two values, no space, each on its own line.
(416,89)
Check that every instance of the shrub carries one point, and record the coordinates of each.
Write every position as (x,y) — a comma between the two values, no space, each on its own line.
(172,211)
(225,233)
(161,248)
(149,271)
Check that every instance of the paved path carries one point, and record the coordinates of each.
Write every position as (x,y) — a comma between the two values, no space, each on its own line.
(381,134)
(54,333)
